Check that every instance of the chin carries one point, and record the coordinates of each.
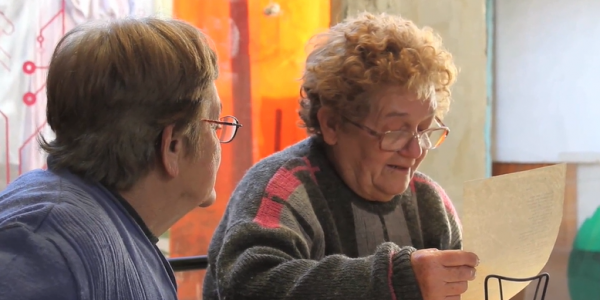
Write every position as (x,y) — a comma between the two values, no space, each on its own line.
(208,201)
(398,190)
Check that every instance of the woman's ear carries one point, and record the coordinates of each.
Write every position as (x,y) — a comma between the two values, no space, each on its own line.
(171,151)
(330,125)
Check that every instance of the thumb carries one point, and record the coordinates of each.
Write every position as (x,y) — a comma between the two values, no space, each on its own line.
(424,252)
(430,250)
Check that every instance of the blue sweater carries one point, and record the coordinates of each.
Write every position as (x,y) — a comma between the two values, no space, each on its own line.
(64,238)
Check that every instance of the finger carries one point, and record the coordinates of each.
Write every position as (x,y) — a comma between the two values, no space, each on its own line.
(455,288)
(458,274)
(452,298)
(455,258)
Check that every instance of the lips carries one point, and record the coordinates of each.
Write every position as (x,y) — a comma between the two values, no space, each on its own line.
(399,168)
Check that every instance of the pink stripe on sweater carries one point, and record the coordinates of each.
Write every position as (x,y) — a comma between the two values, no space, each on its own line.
(281,185)
(269,213)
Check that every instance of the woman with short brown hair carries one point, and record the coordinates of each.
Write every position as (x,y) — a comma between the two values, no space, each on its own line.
(136,116)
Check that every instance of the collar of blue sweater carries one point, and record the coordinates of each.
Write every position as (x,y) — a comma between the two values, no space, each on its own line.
(128,208)
(135,216)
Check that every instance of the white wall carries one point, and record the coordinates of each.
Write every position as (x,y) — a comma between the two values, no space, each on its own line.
(547,77)
(547,100)
(588,191)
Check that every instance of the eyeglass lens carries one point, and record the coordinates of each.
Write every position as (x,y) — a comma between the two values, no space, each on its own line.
(394,141)
(227,132)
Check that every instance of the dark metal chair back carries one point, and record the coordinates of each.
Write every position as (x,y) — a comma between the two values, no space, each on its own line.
(542,282)
(188,263)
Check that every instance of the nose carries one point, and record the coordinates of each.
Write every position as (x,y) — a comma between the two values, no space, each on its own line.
(412,149)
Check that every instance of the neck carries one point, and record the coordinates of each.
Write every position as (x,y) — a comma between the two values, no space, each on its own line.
(156,203)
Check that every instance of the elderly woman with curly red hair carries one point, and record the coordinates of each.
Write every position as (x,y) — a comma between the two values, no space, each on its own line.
(341,214)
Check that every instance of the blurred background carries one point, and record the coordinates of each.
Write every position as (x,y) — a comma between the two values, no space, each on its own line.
(526,97)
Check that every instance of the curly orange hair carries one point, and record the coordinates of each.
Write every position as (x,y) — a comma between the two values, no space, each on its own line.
(362,54)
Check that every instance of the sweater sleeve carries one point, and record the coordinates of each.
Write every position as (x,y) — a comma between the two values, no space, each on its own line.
(32,267)
(272,247)
(261,263)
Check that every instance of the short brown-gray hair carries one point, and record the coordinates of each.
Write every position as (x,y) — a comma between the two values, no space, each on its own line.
(113,86)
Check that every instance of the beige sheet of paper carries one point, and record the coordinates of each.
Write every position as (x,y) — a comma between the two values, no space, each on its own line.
(511,222)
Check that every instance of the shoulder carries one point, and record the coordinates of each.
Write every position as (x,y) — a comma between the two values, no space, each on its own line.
(33,267)
(38,196)
(43,186)
(429,190)
(273,185)
(277,173)
(50,222)
(288,158)
(59,210)
(67,222)
(62,210)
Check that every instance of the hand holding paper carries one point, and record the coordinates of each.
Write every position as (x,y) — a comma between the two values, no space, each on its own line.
(443,274)
(511,222)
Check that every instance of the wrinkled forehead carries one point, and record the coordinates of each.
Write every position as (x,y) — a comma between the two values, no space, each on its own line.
(401,102)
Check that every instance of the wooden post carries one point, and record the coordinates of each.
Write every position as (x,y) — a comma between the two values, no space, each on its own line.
(241,89)
(338,11)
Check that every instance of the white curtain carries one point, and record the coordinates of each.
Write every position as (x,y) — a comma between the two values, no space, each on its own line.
(29,31)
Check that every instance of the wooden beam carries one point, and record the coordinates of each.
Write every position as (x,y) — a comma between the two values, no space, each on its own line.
(338,11)
(241,92)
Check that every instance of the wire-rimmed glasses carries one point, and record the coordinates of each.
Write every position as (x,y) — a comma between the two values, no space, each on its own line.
(396,140)
(226,128)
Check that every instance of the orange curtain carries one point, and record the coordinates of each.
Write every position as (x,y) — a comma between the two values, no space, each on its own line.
(277,55)
(276,52)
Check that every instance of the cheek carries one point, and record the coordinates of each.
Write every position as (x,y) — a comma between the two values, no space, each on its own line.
(212,147)
(217,156)
(355,149)
(380,160)
(369,156)
(211,150)
(420,159)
